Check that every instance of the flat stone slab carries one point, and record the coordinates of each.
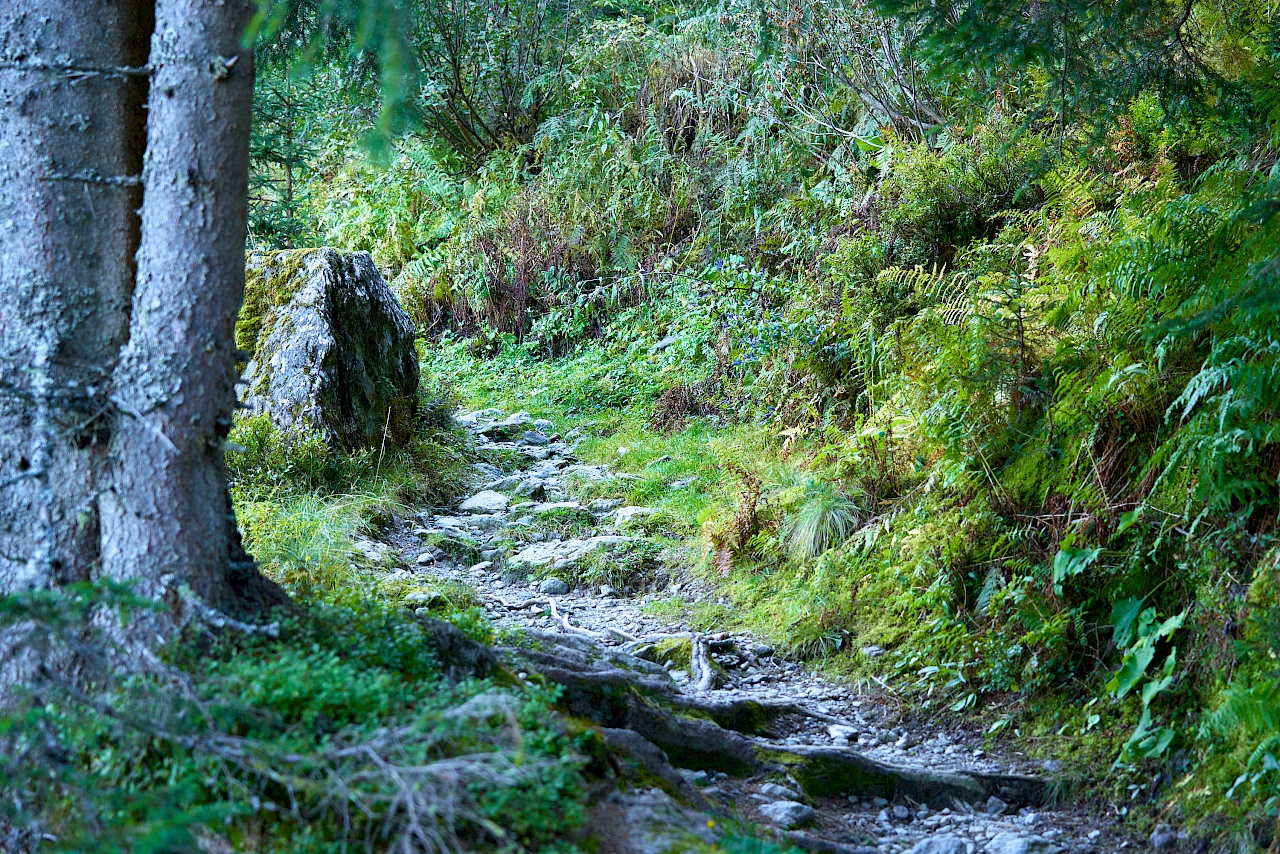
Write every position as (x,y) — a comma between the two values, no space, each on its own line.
(564,552)
(626,516)
(788,814)
(487,501)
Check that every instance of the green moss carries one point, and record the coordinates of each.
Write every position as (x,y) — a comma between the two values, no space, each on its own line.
(271,279)
(679,651)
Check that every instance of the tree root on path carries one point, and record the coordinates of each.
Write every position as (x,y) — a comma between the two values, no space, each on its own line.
(704,678)
(615,690)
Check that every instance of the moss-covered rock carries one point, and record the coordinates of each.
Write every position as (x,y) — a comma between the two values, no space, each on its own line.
(331,349)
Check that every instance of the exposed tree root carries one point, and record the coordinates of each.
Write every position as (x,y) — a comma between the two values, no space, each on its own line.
(621,692)
(704,678)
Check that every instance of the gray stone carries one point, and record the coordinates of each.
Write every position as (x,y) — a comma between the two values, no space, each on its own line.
(544,425)
(654,823)
(506,428)
(553,587)
(788,814)
(530,488)
(607,590)
(533,437)
(336,358)
(483,566)
(907,741)
(487,521)
(628,516)
(604,505)
(547,468)
(774,790)
(554,506)
(842,734)
(503,484)
(480,416)
(872,651)
(995,806)
(1012,843)
(900,812)
(1163,836)
(761,650)
(563,553)
(485,502)
(944,845)
(489,470)
(698,778)
(429,599)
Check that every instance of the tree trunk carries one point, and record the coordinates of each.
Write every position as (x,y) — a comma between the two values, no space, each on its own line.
(72,88)
(168,520)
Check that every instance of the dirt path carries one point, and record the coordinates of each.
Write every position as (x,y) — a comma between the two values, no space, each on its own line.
(495,537)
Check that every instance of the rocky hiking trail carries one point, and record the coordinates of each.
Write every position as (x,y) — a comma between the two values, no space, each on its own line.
(713,729)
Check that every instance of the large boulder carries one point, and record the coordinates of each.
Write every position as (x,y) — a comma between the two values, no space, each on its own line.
(331,349)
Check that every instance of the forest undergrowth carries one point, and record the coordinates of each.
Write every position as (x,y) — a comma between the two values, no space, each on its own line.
(961,328)
(969,350)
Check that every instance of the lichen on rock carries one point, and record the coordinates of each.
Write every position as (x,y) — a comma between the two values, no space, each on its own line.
(331,350)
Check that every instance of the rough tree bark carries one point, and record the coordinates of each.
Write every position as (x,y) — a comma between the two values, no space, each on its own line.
(116,383)
(166,520)
(72,87)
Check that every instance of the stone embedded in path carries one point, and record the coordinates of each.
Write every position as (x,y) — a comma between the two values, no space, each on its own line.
(486,521)
(503,484)
(604,505)
(550,507)
(627,516)
(506,428)
(489,470)
(485,502)
(553,587)
(652,822)
(788,814)
(533,437)
(944,845)
(547,468)
(1012,843)
(774,790)
(1163,836)
(480,416)
(563,553)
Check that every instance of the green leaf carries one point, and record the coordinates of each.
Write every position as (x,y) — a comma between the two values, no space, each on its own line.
(1128,519)
(1072,562)
(1131,670)
(1123,613)
(1155,686)
(875,143)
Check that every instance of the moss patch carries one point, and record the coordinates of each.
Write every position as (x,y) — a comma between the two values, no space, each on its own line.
(270,281)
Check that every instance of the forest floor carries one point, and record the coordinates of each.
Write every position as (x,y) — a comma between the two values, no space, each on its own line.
(540,525)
